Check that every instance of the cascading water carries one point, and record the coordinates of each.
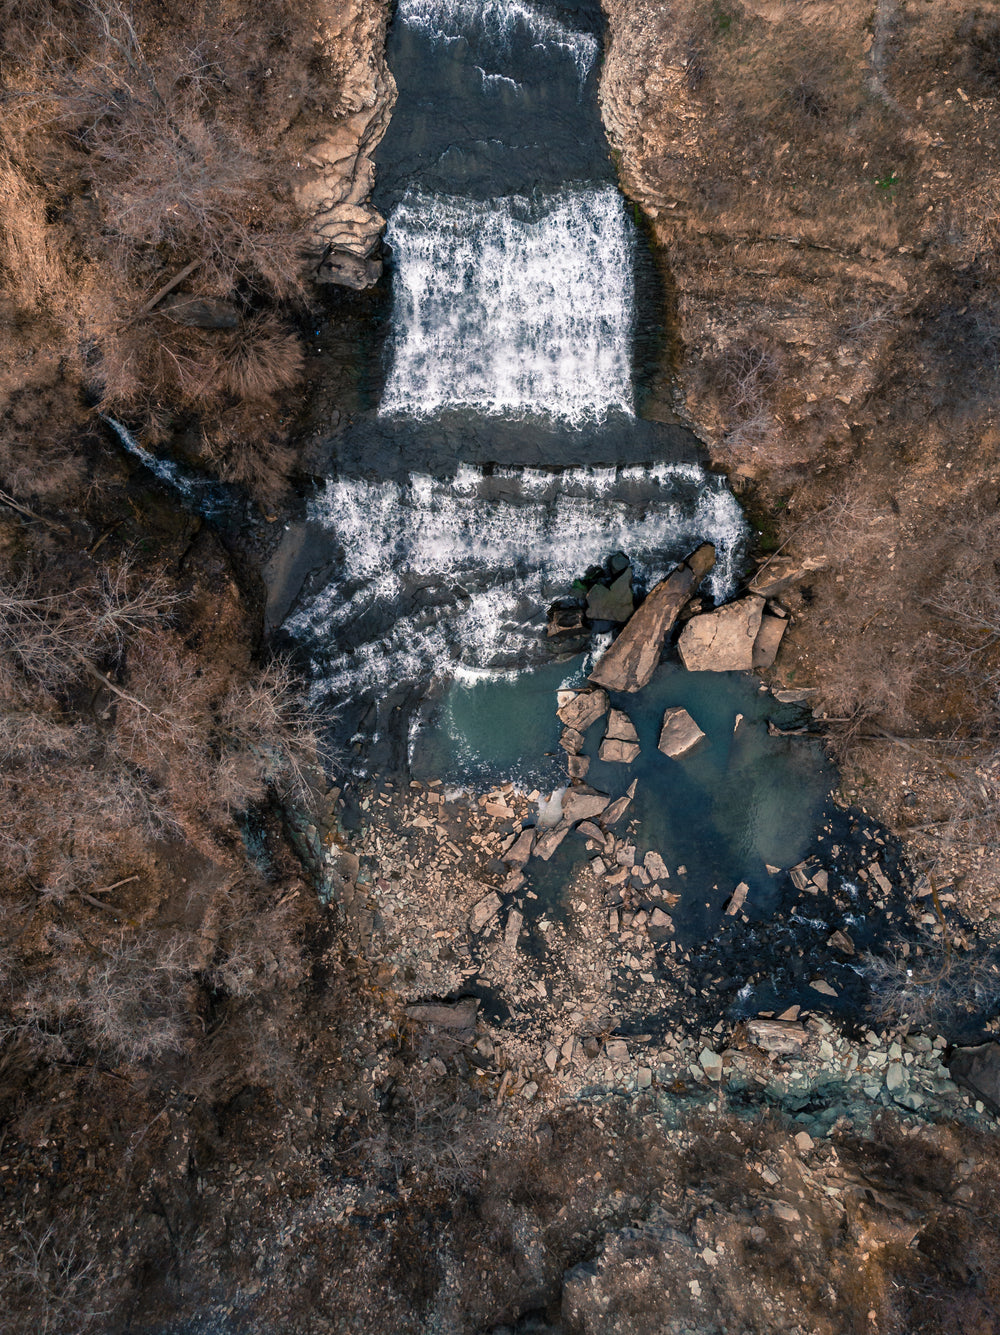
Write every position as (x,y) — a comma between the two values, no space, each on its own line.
(511,341)
(512,306)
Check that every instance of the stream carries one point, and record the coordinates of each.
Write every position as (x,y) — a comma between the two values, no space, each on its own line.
(507,431)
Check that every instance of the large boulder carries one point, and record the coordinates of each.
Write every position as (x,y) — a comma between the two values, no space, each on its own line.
(679,733)
(978,1069)
(722,641)
(579,709)
(621,741)
(583,803)
(633,658)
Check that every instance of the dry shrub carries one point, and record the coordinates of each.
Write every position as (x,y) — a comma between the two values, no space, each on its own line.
(138,144)
(935,983)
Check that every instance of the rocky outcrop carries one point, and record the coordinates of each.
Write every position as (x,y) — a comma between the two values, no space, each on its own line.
(632,659)
(722,641)
(335,172)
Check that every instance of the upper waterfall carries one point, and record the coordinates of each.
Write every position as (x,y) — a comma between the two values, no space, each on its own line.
(512,306)
(492,24)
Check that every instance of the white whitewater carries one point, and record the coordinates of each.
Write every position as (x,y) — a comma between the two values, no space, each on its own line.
(512,306)
(495,23)
(485,555)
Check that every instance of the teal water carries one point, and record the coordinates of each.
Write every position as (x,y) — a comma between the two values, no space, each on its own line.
(740,801)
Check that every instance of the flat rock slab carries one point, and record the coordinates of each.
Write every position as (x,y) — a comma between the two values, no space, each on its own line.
(446,1015)
(550,841)
(633,658)
(765,646)
(583,709)
(679,733)
(616,752)
(520,851)
(722,641)
(583,803)
(485,911)
(620,727)
(577,766)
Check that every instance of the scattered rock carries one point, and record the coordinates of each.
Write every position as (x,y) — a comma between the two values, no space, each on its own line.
(591,831)
(616,1050)
(619,806)
(515,921)
(614,603)
(660,920)
(679,733)
(566,621)
(551,839)
(348,270)
(722,641)
(655,865)
(571,741)
(780,572)
(765,646)
(794,696)
(842,942)
(782,1038)
(804,1142)
(582,709)
(577,766)
(633,657)
(823,987)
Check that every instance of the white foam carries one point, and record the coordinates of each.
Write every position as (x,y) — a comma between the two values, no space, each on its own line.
(486,560)
(495,23)
(511,306)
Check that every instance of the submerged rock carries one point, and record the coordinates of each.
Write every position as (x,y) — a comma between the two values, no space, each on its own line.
(614,812)
(632,659)
(722,641)
(611,604)
(679,733)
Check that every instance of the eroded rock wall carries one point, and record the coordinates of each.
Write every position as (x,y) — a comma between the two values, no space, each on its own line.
(821,177)
(335,172)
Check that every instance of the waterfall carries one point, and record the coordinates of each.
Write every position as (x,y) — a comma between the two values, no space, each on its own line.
(445,575)
(512,306)
(492,25)
(511,327)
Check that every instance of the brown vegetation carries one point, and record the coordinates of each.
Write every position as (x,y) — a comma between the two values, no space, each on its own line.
(142,147)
